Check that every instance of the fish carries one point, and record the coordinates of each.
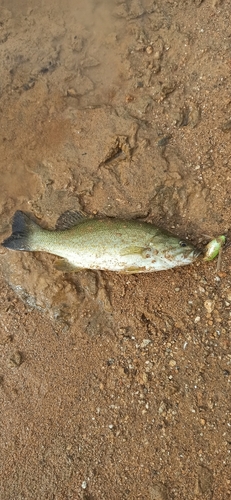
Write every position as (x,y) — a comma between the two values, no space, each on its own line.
(80,242)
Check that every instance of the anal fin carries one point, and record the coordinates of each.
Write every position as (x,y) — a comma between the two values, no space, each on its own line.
(62,264)
(133,270)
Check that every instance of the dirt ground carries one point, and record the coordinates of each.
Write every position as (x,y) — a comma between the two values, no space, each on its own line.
(116,387)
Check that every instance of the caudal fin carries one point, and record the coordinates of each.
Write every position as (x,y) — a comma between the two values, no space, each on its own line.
(22,230)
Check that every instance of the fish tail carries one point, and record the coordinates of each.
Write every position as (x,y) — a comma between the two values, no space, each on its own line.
(23,229)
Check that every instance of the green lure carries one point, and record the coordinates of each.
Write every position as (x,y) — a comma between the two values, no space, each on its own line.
(214,248)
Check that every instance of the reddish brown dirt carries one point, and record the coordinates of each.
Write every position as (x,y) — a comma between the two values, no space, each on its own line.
(115,387)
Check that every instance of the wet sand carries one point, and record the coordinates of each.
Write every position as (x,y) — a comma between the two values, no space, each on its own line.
(113,386)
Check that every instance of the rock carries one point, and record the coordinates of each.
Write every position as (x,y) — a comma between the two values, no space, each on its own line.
(226,126)
(205,480)
(167,88)
(16,359)
(136,8)
(77,44)
(164,141)
(139,107)
(158,492)
(209,305)
(145,343)
(72,92)
(80,85)
(194,116)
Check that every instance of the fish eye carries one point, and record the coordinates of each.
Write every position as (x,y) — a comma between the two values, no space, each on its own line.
(183,244)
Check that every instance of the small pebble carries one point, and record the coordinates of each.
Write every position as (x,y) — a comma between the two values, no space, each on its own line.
(72,92)
(145,342)
(209,305)
(158,491)
(149,49)
(16,359)
(226,126)
(172,362)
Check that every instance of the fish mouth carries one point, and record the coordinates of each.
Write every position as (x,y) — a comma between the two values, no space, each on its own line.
(193,254)
(197,252)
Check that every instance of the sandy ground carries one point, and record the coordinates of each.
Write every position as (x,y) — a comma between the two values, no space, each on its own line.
(116,387)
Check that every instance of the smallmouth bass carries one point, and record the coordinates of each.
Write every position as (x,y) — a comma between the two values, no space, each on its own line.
(127,246)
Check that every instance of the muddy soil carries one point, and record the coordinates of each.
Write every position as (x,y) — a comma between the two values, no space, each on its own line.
(116,387)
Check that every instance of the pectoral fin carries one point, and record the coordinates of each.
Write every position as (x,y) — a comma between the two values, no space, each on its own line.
(145,252)
(66,266)
(133,250)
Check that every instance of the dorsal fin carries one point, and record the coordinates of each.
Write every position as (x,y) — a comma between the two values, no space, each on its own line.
(69,219)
